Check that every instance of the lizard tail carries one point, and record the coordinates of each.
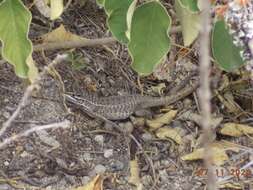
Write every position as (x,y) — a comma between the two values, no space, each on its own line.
(167,100)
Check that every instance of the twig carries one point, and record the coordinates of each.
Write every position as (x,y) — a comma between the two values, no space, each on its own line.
(28,93)
(73,44)
(43,8)
(205,94)
(63,124)
(148,159)
(84,42)
(175,29)
(67,5)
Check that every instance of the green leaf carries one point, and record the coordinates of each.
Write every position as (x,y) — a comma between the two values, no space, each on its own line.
(116,20)
(100,2)
(129,16)
(190,21)
(149,41)
(77,61)
(224,51)
(15,19)
(191,5)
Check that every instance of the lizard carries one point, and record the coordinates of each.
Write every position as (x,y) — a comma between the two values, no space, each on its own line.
(121,107)
(114,108)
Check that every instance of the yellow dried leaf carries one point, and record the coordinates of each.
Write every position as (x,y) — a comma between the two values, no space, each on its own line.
(95,184)
(56,8)
(226,145)
(231,185)
(219,152)
(172,133)
(135,174)
(236,130)
(160,121)
(33,70)
(219,155)
(229,103)
(60,35)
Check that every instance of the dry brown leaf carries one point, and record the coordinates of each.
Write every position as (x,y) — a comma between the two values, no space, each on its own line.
(219,152)
(197,118)
(219,155)
(135,174)
(33,70)
(95,184)
(227,146)
(171,133)
(231,185)
(59,35)
(160,121)
(236,130)
(229,103)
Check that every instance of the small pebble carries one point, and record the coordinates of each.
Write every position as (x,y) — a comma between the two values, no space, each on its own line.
(166,162)
(108,153)
(177,123)
(117,165)
(5,187)
(10,108)
(6,114)
(85,179)
(126,127)
(187,102)
(87,156)
(99,139)
(28,147)
(163,175)
(99,169)
(147,180)
(146,137)
(6,163)
(24,154)
(87,140)
(6,100)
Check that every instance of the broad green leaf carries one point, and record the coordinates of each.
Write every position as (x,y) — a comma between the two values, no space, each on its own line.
(191,5)
(117,22)
(190,22)
(56,8)
(100,2)
(14,26)
(224,51)
(149,42)
(130,13)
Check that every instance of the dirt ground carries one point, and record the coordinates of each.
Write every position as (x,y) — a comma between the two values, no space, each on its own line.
(62,159)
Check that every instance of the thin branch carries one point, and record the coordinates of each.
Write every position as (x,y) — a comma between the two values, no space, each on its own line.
(175,29)
(85,42)
(28,92)
(63,124)
(73,44)
(204,92)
